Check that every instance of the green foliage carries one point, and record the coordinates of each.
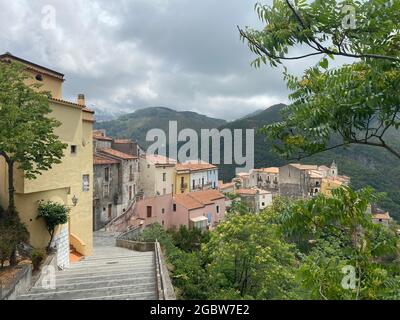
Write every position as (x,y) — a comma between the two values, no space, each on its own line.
(239,207)
(248,259)
(356,103)
(12,233)
(54,214)
(365,165)
(189,240)
(26,130)
(335,232)
(37,257)
(156,232)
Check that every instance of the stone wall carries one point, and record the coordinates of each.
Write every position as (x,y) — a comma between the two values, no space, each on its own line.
(103,201)
(62,244)
(21,284)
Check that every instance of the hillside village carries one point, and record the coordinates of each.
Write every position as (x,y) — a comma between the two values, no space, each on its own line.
(111,184)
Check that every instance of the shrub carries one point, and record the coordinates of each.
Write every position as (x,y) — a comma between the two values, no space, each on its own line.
(54,214)
(38,256)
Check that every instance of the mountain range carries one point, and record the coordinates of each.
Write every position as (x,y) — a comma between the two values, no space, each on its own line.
(364,164)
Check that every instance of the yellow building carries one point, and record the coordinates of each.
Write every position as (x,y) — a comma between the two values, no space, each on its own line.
(329,184)
(69,182)
(182,179)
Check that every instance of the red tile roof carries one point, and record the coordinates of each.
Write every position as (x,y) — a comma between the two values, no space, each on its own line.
(247,191)
(118,141)
(159,159)
(188,202)
(117,154)
(97,135)
(226,185)
(268,170)
(199,199)
(207,196)
(194,166)
(99,160)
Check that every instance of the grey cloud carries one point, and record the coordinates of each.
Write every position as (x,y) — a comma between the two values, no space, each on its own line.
(131,54)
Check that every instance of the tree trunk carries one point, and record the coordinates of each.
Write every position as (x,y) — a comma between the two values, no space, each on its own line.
(51,240)
(13,258)
(11,190)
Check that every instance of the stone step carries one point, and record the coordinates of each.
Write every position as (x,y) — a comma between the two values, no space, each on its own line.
(138,289)
(110,261)
(136,296)
(118,256)
(106,266)
(61,287)
(106,272)
(80,278)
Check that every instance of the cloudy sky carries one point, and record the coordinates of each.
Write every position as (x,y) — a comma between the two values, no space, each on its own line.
(130,54)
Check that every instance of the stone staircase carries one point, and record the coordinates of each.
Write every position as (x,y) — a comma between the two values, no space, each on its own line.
(112,273)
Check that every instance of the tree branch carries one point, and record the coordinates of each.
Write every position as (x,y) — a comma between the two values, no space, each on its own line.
(319,47)
(270,55)
(5,155)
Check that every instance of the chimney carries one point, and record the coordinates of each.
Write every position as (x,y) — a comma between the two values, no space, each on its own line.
(81,99)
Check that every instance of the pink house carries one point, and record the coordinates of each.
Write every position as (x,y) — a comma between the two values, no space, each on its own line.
(201,209)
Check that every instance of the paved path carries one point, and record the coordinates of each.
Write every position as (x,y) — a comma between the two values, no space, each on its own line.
(112,273)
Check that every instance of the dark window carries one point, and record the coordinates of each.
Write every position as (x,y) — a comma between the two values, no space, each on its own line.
(162,210)
(106,174)
(164,177)
(39,77)
(73,149)
(149,209)
(174,207)
(217,209)
(130,192)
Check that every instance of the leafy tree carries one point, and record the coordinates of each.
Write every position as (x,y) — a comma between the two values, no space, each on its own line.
(12,233)
(54,214)
(189,240)
(355,103)
(248,259)
(336,232)
(27,139)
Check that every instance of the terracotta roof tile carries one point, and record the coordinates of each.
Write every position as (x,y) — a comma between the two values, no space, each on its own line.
(99,160)
(98,135)
(159,159)
(206,196)
(121,141)
(117,154)
(226,185)
(199,199)
(247,191)
(269,170)
(194,166)
(188,202)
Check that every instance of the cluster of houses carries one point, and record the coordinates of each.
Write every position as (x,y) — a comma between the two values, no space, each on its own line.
(132,188)
(258,187)
(111,183)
